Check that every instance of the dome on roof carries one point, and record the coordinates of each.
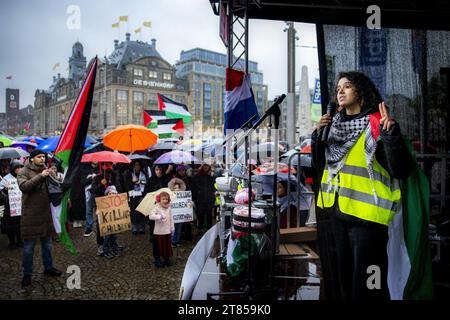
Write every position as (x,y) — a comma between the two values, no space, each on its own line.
(77,50)
(131,51)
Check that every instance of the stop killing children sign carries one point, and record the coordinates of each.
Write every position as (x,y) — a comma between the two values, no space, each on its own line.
(113,214)
(113,211)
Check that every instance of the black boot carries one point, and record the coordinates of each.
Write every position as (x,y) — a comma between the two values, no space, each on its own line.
(168,263)
(158,263)
(53,272)
(26,281)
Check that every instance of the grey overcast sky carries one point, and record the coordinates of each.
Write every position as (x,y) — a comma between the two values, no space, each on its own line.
(34,37)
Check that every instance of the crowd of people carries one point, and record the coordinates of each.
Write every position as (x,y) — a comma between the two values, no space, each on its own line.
(39,186)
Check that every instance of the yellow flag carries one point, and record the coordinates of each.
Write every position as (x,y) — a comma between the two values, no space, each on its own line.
(56,65)
(115,25)
(123,18)
(137,30)
(147,24)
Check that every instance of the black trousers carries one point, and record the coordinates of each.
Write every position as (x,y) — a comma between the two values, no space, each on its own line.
(359,247)
(14,237)
(204,216)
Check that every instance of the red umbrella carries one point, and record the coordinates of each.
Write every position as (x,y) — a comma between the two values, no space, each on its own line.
(105,156)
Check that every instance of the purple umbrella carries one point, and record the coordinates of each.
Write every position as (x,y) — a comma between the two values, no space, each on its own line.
(23,145)
(176,157)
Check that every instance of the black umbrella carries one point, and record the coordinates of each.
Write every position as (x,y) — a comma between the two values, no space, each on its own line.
(11,153)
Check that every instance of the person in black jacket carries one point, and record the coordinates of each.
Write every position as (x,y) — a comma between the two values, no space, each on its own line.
(203,194)
(360,240)
(186,229)
(98,189)
(158,180)
(10,225)
(87,174)
(136,180)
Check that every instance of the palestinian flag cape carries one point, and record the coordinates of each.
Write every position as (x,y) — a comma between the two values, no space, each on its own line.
(410,274)
(71,145)
(169,128)
(174,110)
(151,118)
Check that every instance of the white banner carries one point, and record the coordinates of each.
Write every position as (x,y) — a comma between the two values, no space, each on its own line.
(182,207)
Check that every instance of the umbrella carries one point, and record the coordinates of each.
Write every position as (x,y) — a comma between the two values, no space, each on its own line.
(105,156)
(266,181)
(5,141)
(163,146)
(148,203)
(49,145)
(23,144)
(189,144)
(90,139)
(177,157)
(305,160)
(35,139)
(130,138)
(138,157)
(267,168)
(12,153)
(94,148)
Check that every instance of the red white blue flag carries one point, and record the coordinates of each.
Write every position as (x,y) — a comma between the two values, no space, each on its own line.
(240,104)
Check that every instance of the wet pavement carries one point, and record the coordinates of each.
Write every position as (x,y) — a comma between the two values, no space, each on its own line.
(129,276)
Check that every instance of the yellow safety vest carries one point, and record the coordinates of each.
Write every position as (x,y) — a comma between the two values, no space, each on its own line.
(356,196)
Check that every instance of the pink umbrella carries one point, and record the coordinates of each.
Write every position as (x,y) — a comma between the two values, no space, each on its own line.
(105,156)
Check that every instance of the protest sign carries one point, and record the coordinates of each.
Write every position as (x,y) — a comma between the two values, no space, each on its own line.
(113,214)
(14,195)
(181,207)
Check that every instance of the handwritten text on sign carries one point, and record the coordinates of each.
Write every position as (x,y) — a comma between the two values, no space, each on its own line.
(113,214)
(182,207)
(14,195)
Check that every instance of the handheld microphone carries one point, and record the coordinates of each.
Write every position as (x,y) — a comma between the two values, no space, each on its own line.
(331,110)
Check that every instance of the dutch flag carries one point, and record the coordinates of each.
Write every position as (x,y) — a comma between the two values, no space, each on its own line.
(240,104)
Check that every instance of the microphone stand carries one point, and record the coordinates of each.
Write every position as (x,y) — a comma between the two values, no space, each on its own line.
(274,111)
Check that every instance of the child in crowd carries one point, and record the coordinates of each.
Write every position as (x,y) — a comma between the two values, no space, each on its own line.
(111,248)
(177,184)
(164,229)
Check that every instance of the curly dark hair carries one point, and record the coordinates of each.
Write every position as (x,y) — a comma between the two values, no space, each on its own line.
(366,92)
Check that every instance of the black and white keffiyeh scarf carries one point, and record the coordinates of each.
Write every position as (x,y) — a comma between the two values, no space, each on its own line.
(342,137)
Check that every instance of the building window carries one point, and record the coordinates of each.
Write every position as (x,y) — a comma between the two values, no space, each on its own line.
(122,107)
(153,74)
(153,101)
(206,103)
(138,97)
(138,107)
(167,76)
(138,72)
(180,99)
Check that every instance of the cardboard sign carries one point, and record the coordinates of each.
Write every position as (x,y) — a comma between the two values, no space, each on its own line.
(14,195)
(113,214)
(181,207)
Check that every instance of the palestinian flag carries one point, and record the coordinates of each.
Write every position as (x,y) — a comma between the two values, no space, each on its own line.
(71,145)
(410,275)
(151,118)
(169,128)
(174,110)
